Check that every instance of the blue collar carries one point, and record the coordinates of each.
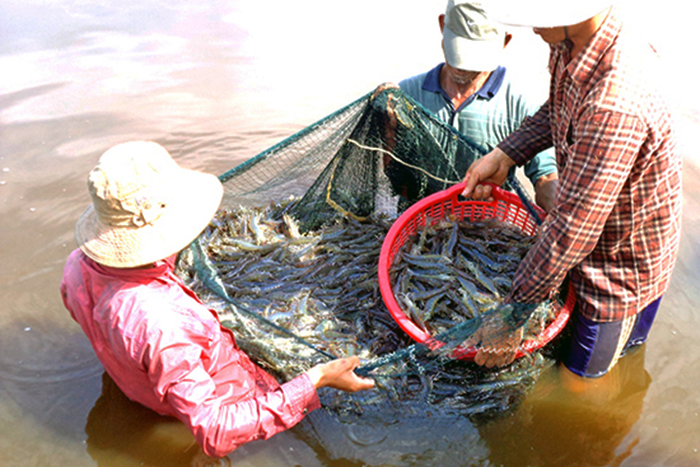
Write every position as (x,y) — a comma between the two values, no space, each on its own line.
(487,91)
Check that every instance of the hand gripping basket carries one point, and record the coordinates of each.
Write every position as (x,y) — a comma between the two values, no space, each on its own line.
(505,206)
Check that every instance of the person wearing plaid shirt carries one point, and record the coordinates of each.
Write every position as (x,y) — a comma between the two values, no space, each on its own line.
(615,228)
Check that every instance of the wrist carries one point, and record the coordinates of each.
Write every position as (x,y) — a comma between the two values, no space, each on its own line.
(516,314)
(315,376)
(503,158)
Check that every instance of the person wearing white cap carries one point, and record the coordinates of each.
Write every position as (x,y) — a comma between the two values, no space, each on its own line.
(154,337)
(473,92)
(615,227)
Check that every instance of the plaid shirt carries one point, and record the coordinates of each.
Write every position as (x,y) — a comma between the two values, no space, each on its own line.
(616,225)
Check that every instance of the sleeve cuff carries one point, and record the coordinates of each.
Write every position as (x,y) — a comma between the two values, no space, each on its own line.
(519,158)
(302,394)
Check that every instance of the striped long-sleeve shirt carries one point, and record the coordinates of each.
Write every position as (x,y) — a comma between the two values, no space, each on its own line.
(616,225)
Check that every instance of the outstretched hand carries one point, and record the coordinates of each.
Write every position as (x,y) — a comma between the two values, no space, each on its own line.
(339,374)
(493,167)
(496,342)
(383,87)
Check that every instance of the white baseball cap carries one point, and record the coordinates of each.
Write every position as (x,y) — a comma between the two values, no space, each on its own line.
(471,40)
(544,13)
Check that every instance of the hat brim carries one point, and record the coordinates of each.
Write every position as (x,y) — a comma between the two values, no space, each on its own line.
(544,13)
(193,198)
(472,55)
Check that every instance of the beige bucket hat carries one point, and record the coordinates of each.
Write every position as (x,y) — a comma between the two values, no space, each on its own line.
(470,39)
(145,207)
(544,13)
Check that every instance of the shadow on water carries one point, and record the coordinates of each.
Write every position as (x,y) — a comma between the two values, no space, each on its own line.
(48,374)
(121,431)
(399,439)
(558,427)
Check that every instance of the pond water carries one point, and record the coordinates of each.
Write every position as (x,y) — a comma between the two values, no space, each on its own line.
(216,83)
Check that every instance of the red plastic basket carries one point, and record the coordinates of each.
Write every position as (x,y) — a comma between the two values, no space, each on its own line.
(431,210)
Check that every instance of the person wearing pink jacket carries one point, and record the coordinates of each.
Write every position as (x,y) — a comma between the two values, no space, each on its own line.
(158,342)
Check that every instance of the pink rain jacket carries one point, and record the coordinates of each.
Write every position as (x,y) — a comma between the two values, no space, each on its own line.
(169,352)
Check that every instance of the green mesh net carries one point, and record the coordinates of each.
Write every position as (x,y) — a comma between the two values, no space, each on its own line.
(290,263)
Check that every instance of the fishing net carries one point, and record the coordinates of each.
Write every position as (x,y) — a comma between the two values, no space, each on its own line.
(290,262)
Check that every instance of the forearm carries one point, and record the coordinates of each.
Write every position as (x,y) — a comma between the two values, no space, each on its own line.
(532,137)
(588,192)
(221,426)
(546,190)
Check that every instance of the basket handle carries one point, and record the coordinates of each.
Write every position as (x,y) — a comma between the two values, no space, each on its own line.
(497,192)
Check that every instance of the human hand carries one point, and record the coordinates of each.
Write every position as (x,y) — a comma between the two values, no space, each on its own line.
(496,342)
(493,167)
(383,87)
(339,374)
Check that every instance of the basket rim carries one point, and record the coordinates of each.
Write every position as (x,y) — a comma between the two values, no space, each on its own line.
(386,260)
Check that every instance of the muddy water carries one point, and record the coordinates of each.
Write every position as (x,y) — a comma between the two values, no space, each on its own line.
(217,83)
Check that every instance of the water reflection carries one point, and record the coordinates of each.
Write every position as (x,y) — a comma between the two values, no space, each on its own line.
(121,431)
(553,427)
(558,427)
